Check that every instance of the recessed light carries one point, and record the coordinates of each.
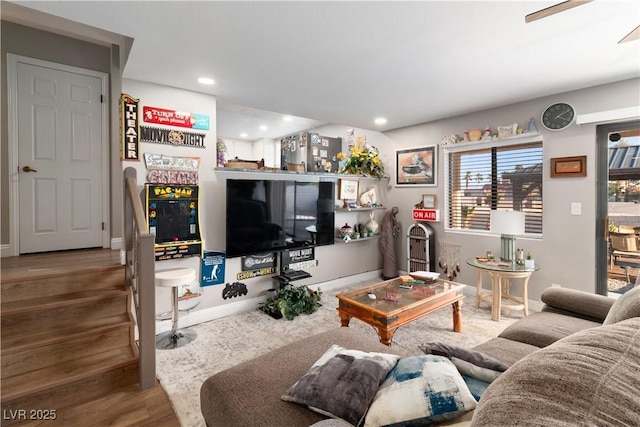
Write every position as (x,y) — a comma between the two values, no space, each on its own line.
(287,118)
(206,81)
(263,127)
(243,135)
(380,121)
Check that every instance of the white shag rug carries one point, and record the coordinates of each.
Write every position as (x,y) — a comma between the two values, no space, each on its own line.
(228,341)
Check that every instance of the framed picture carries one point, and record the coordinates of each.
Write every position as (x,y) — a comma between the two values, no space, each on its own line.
(429,201)
(348,189)
(566,167)
(416,167)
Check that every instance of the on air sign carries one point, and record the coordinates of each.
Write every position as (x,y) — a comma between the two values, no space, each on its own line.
(432,215)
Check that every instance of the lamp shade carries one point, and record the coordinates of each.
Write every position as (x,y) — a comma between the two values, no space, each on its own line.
(507,222)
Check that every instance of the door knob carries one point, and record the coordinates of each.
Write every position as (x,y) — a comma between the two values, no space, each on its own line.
(28,169)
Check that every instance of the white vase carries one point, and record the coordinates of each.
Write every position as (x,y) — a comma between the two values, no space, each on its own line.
(529,264)
(371,225)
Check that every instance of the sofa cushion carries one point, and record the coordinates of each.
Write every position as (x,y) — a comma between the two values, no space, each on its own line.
(590,378)
(507,351)
(469,362)
(420,390)
(342,383)
(628,305)
(576,303)
(544,328)
(268,376)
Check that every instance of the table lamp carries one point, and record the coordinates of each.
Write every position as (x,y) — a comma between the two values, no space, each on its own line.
(508,224)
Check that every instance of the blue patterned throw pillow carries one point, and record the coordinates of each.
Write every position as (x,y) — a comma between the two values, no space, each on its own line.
(420,390)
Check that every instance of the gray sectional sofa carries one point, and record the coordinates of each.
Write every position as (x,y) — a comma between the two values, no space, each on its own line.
(576,362)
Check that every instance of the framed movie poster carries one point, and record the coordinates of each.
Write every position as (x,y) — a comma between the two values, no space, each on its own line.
(416,167)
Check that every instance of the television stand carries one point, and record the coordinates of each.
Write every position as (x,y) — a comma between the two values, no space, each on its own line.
(287,276)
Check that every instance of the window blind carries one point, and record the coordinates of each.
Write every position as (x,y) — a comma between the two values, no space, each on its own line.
(504,177)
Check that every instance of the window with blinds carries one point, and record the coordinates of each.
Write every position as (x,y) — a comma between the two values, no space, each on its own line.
(505,177)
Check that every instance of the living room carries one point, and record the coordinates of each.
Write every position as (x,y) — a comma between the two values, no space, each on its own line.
(561,252)
(566,253)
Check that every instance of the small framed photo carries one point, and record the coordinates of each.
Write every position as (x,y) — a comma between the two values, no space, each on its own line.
(348,189)
(429,201)
(566,167)
(417,167)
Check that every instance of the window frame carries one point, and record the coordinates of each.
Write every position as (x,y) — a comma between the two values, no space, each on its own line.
(462,147)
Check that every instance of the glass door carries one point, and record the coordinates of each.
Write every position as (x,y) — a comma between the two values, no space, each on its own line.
(618,207)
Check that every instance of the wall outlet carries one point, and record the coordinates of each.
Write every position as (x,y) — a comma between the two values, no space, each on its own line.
(555,285)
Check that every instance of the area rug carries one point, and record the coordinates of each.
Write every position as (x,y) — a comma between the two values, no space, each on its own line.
(225,342)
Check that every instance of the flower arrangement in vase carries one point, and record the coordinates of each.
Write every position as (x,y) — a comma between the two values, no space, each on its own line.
(362,160)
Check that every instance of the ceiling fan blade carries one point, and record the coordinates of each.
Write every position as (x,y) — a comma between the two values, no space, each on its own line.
(633,35)
(552,10)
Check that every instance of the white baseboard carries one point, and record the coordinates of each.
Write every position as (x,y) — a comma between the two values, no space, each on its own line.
(6,251)
(116,243)
(212,313)
(206,315)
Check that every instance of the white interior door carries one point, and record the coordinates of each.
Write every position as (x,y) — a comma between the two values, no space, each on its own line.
(60,164)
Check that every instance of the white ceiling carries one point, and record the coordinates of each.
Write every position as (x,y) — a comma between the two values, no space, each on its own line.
(350,62)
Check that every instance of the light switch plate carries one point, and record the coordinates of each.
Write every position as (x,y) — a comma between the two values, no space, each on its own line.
(576,208)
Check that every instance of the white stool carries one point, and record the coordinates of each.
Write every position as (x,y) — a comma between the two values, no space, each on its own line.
(175,337)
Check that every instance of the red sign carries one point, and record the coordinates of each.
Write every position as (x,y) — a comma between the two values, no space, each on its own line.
(162,116)
(432,215)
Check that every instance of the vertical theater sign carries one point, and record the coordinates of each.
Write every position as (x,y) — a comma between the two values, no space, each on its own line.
(130,127)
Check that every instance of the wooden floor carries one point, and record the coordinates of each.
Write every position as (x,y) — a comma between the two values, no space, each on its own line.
(128,407)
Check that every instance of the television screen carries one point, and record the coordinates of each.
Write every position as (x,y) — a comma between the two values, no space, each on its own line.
(268,215)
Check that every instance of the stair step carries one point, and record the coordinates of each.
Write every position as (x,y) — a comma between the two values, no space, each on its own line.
(51,333)
(64,314)
(55,301)
(64,373)
(72,394)
(21,363)
(45,283)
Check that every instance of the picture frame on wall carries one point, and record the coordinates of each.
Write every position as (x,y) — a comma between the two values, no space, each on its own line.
(566,167)
(347,189)
(417,167)
(429,201)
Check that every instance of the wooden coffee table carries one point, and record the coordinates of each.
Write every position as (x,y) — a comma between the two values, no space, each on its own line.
(394,306)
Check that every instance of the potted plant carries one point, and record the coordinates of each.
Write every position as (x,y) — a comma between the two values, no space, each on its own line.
(291,301)
(528,263)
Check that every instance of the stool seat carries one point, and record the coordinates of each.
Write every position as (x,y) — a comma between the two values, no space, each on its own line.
(175,277)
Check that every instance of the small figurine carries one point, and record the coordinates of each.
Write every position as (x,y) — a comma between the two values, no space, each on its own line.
(532,126)
(487,133)
(466,135)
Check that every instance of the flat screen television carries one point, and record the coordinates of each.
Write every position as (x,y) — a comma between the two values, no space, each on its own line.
(273,215)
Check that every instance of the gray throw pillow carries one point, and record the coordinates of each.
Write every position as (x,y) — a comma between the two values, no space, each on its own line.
(625,307)
(342,383)
(469,362)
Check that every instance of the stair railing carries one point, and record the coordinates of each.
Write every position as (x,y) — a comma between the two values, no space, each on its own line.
(140,276)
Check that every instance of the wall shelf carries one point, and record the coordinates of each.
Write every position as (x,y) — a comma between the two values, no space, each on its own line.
(283,174)
(362,209)
(361,239)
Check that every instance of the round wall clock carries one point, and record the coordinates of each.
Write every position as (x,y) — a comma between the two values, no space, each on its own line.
(558,116)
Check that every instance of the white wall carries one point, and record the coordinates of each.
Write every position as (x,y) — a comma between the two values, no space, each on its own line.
(180,100)
(566,253)
(335,262)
